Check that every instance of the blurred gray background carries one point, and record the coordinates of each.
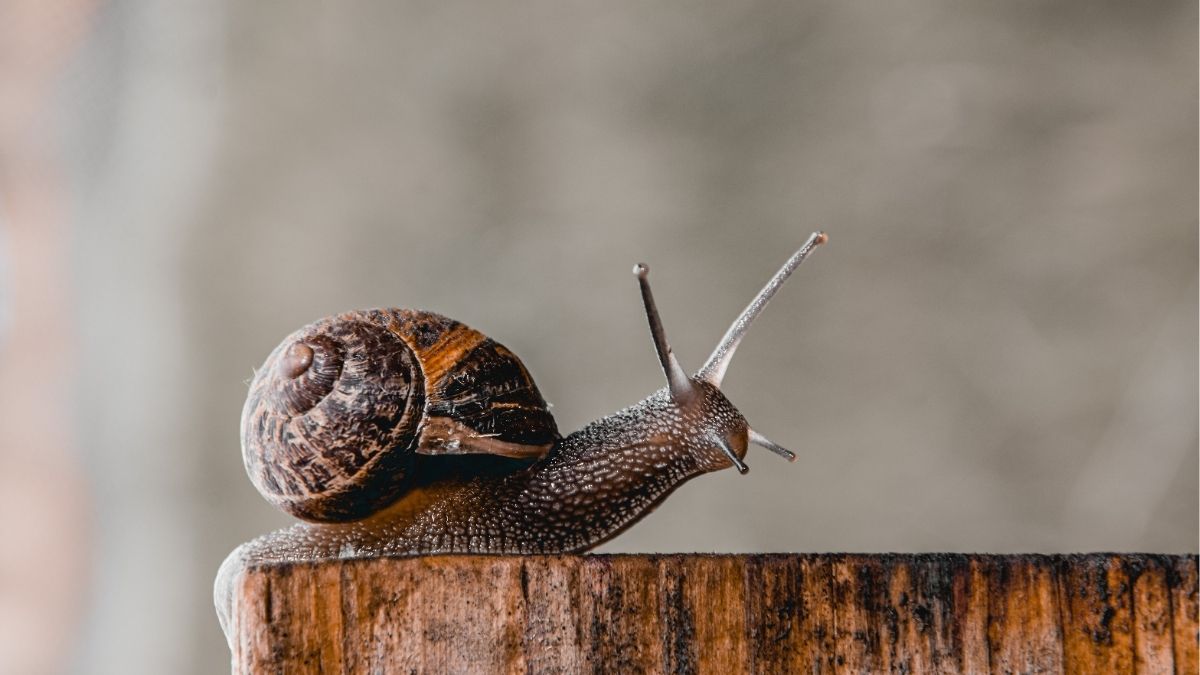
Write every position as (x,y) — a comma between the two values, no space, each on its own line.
(996,352)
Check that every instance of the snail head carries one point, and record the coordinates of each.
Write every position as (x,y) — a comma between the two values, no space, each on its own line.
(699,396)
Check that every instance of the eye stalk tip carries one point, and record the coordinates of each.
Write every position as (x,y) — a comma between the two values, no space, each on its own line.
(737,461)
(764,442)
(642,270)
(820,238)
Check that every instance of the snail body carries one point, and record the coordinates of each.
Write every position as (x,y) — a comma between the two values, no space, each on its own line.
(593,484)
(422,436)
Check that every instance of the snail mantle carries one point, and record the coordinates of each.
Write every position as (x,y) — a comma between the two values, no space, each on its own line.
(1091,613)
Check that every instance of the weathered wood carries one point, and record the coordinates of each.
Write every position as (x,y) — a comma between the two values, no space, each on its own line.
(720,614)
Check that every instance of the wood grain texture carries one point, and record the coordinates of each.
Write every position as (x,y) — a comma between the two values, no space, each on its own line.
(836,613)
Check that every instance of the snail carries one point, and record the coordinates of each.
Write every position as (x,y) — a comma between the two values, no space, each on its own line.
(400,432)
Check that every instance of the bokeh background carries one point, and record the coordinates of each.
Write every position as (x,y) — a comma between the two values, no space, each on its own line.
(996,352)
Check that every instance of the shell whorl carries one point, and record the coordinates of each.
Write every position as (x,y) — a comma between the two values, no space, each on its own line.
(332,419)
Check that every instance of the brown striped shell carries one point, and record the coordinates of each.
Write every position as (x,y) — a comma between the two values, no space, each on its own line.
(338,409)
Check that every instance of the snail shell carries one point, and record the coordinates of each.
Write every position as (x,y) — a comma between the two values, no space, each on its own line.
(339,408)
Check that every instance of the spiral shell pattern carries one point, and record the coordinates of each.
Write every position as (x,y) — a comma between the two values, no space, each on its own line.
(332,419)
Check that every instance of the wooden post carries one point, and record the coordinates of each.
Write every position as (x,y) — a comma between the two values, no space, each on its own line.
(720,614)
